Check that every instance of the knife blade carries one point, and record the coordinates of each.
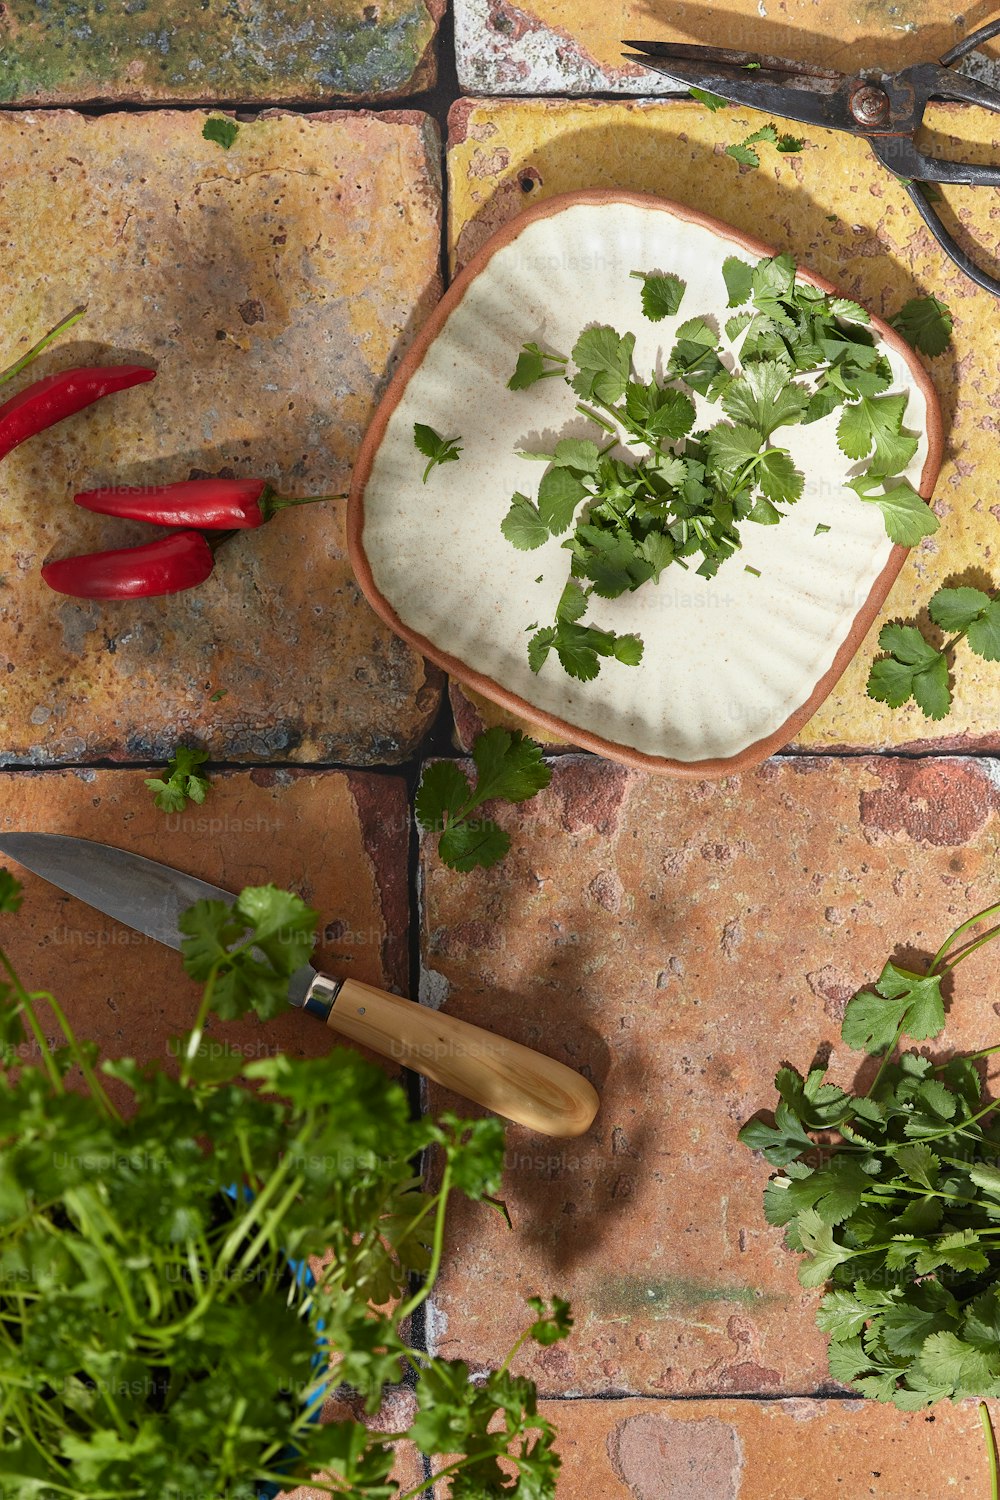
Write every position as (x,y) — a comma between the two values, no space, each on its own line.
(513,1080)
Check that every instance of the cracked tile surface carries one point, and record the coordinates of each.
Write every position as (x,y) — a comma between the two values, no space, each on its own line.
(245,277)
(842,215)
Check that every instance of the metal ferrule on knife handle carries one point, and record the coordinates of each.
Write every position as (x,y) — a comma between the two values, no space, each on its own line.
(516,1081)
(320,996)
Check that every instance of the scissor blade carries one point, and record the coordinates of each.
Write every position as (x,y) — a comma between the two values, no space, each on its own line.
(144,894)
(776,85)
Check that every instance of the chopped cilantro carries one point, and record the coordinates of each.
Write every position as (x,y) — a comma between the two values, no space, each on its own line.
(436,449)
(182,782)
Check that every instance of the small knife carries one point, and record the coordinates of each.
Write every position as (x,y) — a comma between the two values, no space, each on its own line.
(515,1081)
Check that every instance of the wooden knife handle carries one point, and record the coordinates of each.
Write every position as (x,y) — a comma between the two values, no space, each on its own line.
(512,1080)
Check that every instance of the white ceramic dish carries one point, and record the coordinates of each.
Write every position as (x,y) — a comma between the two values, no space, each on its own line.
(734,665)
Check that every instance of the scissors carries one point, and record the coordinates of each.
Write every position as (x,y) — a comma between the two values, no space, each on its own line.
(885,109)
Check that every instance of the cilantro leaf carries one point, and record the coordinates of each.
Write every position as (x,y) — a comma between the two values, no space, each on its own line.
(509,767)
(251,949)
(182,782)
(878,420)
(743,154)
(764,397)
(926,323)
(522,525)
(559,493)
(534,364)
(973,613)
(778,477)
(221,130)
(436,449)
(443,792)
(604,363)
(789,143)
(824,1252)
(552,1324)
(711,101)
(912,669)
(661,295)
(902,1003)
(782,1142)
(466,845)
(906,514)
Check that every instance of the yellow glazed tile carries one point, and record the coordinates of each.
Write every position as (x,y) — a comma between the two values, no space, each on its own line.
(274,286)
(842,215)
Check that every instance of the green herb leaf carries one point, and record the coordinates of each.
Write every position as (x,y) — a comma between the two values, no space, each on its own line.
(765,398)
(661,295)
(926,323)
(523,526)
(790,143)
(509,768)
(182,783)
(221,130)
(902,1003)
(437,449)
(906,514)
(604,363)
(534,364)
(973,612)
(711,101)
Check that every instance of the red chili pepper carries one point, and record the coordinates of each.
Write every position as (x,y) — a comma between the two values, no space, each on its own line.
(232,504)
(179,561)
(49,400)
(211,504)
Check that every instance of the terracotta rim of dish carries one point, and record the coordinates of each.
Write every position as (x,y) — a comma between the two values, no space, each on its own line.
(637,759)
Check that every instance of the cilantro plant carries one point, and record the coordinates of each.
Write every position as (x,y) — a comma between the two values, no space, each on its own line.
(892,1197)
(159,1333)
(436,449)
(182,782)
(509,768)
(913,668)
(686,486)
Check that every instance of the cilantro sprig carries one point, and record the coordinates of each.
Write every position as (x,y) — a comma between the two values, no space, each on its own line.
(915,669)
(436,449)
(899,1215)
(182,783)
(509,768)
(926,323)
(745,154)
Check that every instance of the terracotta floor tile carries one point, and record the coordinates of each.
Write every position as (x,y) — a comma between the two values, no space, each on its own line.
(575,46)
(289,51)
(338,839)
(246,277)
(677,942)
(766,1450)
(842,215)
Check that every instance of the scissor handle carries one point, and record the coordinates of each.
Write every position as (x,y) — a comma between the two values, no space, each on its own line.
(947,242)
(971,42)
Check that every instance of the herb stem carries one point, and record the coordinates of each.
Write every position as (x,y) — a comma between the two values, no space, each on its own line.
(991,1449)
(989,911)
(424,1291)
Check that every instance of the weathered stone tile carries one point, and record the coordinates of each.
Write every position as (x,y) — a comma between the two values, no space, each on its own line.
(551,47)
(676,942)
(338,839)
(844,216)
(156,51)
(760,1450)
(274,286)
